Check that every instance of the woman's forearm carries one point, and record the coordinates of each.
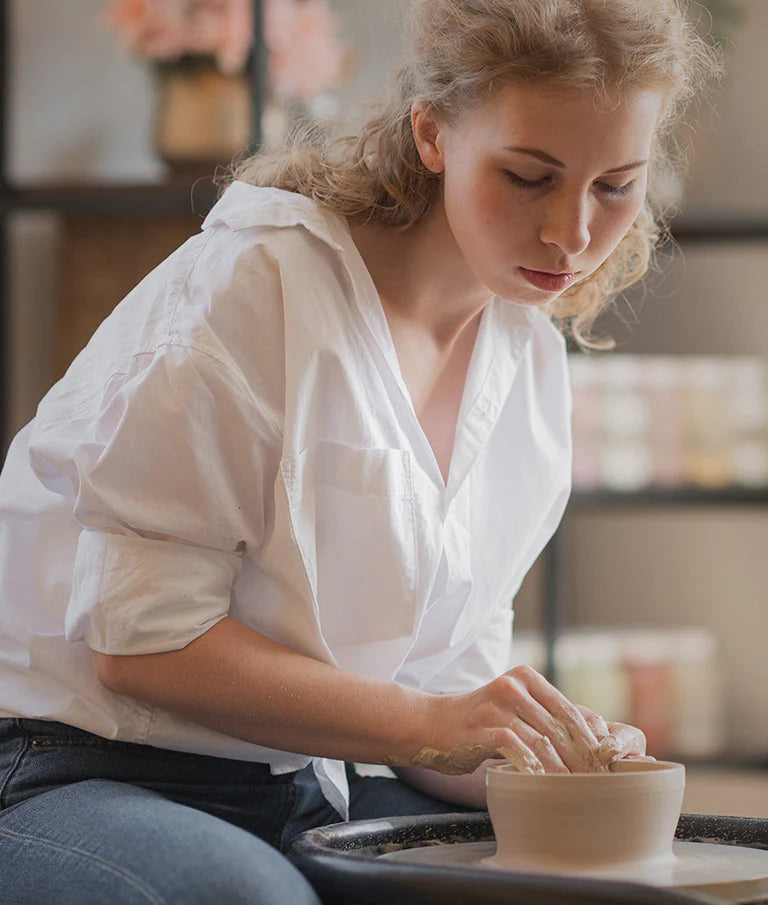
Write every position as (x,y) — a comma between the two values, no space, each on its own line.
(241,683)
(466,790)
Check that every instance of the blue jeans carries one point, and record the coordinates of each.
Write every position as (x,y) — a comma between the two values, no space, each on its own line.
(87,820)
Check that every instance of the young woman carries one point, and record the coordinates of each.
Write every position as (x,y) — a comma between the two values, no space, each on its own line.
(272,520)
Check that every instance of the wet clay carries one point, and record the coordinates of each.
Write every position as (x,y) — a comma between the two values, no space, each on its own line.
(596,758)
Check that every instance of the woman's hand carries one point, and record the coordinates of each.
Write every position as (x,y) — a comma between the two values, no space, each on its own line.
(522,718)
(618,741)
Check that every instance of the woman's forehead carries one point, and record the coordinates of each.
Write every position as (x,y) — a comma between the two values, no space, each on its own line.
(520,113)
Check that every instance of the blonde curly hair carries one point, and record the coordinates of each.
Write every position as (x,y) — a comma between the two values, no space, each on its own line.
(459,52)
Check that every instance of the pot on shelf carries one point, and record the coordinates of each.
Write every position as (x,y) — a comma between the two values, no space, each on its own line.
(203,118)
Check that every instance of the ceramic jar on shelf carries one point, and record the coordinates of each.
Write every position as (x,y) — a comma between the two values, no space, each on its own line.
(203,118)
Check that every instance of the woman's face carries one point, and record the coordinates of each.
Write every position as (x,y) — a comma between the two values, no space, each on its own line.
(540,184)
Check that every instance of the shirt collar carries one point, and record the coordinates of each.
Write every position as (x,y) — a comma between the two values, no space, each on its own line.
(504,333)
(243,206)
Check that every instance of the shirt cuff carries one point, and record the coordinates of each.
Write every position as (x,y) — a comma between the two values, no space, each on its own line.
(134,595)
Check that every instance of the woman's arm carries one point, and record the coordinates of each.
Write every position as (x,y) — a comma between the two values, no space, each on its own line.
(467,790)
(241,683)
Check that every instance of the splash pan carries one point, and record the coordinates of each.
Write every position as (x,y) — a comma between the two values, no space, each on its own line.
(731,874)
(442,858)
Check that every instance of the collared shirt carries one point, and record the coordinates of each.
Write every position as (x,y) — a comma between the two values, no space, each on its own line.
(237,438)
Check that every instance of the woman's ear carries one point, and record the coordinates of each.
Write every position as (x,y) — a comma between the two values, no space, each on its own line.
(428,135)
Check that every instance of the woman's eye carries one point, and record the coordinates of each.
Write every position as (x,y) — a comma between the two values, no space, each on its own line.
(616,191)
(526,183)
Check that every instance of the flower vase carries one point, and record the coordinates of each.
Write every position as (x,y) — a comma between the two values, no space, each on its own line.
(203,118)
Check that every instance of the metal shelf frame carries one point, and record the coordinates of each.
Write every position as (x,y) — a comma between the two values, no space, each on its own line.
(555,593)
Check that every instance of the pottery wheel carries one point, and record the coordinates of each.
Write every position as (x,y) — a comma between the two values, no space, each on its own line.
(729,873)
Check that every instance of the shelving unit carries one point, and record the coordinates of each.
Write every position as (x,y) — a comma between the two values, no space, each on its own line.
(554,604)
(176,196)
(173,197)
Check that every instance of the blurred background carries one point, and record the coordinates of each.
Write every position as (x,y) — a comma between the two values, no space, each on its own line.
(656,583)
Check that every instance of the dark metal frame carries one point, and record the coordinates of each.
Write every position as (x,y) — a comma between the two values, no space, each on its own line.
(4,262)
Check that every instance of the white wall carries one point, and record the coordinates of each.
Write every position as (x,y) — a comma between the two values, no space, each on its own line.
(81,108)
(731,163)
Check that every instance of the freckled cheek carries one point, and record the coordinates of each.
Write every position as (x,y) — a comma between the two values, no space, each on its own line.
(613,227)
(479,205)
(499,219)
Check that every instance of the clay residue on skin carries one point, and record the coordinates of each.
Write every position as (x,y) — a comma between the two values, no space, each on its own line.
(595,758)
(466,758)
(543,749)
(523,763)
(608,751)
(390,760)
(461,759)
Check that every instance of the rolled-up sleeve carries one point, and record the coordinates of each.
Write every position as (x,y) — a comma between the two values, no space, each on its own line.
(133,595)
(170,482)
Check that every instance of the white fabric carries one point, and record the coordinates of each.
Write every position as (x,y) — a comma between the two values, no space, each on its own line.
(237,438)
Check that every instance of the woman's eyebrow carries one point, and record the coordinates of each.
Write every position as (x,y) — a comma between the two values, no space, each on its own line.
(553,161)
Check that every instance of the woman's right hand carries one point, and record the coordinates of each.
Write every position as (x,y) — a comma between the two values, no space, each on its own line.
(519,717)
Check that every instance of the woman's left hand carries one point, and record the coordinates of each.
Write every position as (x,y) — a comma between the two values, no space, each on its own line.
(618,741)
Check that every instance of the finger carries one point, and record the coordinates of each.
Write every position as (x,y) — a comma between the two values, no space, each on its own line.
(549,712)
(541,746)
(529,712)
(631,739)
(511,747)
(595,722)
(623,741)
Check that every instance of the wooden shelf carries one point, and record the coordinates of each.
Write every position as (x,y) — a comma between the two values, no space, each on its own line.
(177,196)
(723,229)
(654,497)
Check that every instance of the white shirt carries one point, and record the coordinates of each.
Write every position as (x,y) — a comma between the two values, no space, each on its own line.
(237,438)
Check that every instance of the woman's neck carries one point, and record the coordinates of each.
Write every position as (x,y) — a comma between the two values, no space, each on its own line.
(421,278)
(432,304)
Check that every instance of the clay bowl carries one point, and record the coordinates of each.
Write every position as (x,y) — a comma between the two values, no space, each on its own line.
(584,821)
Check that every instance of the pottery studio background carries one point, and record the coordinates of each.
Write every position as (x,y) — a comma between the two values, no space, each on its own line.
(81,111)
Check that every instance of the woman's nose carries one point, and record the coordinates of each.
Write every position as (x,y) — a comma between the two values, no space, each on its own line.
(566,224)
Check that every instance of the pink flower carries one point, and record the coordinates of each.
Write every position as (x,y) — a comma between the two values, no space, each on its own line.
(305,54)
(169,29)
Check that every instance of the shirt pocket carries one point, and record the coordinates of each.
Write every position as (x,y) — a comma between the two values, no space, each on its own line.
(353,518)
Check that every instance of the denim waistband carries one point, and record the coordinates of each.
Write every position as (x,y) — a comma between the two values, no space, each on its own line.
(48,727)
(45,733)
(39,756)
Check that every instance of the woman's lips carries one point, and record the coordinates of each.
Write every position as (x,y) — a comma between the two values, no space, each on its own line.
(548,282)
